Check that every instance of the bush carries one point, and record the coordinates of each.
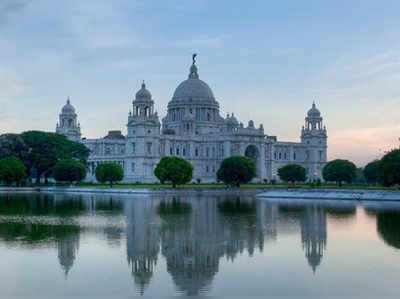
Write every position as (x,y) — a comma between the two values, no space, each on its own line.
(109,172)
(371,172)
(12,170)
(69,170)
(236,170)
(175,170)
(339,171)
(389,168)
(292,173)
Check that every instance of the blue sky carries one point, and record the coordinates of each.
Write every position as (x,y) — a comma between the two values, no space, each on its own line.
(264,60)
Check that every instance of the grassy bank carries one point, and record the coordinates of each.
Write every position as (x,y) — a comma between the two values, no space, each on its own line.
(222,186)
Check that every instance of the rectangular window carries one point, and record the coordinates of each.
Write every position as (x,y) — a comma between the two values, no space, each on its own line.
(197,152)
(294,156)
(320,155)
(307,155)
(177,151)
(171,151)
(184,152)
(280,156)
(149,147)
(133,147)
(133,167)
(275,156)
(207,169)
(207,152)
(284,156)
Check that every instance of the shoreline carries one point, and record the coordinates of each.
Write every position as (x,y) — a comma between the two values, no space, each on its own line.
(333,194)
(266,193)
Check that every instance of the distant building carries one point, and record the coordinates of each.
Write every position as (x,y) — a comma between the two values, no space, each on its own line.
(193,129)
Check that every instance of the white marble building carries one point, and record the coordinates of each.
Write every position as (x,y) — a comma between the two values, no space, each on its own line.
(193,129)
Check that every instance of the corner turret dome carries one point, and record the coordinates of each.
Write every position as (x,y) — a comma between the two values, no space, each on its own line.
(313,112)
(68,108)
(143,94)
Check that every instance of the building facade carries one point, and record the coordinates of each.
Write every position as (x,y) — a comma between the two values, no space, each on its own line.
(193,129)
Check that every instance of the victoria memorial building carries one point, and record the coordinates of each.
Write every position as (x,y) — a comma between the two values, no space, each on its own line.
(193,129)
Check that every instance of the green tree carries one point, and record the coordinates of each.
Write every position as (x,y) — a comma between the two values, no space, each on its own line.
(339,171)
(389,168)
(109,172)
(46,149)
(236,170)
(69,170)
(13,145)
(292,173)
(371,172)
(175,170)
(12,170)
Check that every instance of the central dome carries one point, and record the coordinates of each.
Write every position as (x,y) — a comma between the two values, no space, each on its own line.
(193,88)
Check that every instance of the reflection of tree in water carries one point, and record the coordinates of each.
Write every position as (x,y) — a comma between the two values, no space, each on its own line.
(38,235)
(388,226)
(341,212)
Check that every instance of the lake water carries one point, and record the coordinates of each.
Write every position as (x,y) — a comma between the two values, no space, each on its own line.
(211,244)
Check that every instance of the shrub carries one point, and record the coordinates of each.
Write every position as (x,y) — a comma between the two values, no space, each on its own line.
(236,170)
(339,171)
(69,170)
(389,168)
(175,170)
(12,170)
(109,172)
(371,172)
(292,173)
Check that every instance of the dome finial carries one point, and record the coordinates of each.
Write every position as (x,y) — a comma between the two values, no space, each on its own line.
(143,84)
(68,100)
(193,69)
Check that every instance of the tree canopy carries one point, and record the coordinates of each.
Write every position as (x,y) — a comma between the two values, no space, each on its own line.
(236,170)
(389,168)
(109,172)
(46,149)
(339,171)
(371,172)
(13,145)
(175,170)
(292,173)
(69,170)
(12,170)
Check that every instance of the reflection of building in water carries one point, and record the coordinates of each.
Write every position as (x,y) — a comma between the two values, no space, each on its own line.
(192,243)
(267,219)
(67,246)
(313,234)
(201,232)
(142,237)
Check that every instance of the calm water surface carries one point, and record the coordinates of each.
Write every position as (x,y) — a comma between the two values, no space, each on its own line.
(222,245)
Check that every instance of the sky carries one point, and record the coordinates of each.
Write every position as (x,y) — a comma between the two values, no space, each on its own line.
(265,60)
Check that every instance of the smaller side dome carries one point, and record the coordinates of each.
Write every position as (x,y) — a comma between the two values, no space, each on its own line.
(143,93)
(313,112)
(68,108)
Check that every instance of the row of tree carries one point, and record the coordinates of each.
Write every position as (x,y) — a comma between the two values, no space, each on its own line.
(42,154)
(385,171)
